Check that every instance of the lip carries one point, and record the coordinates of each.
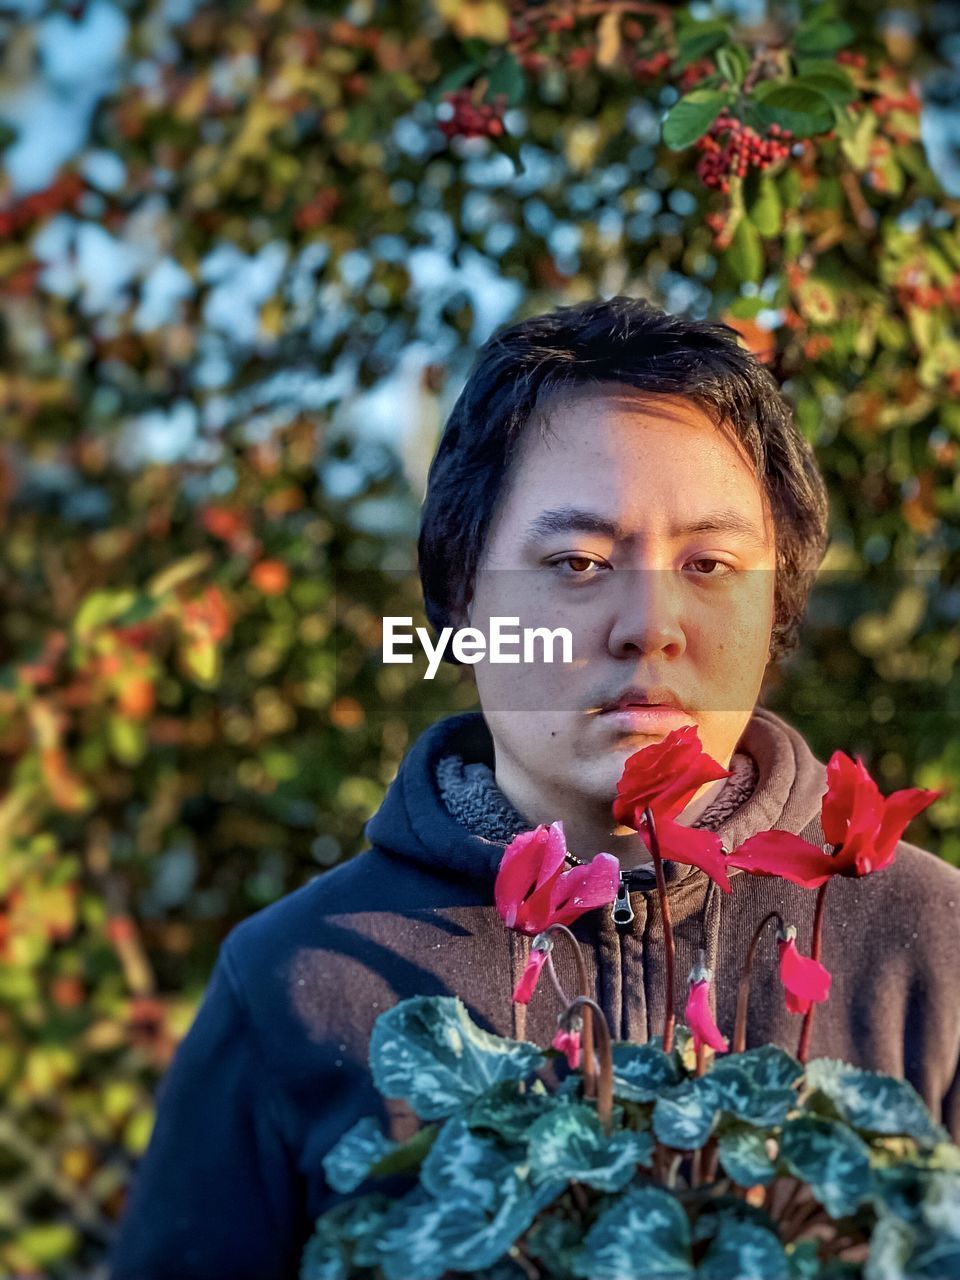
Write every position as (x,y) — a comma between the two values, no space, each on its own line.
(657,718)
(635,698)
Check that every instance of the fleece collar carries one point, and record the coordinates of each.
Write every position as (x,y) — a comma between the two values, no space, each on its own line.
(414,822)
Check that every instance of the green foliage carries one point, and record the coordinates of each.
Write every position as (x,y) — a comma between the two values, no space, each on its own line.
(642,1071)
(570,1144)
(193,716)
(873,1103)
(525,1174)
(744,1250)
(360,1149)
(645,1234)
(833,1160)
(429,1052)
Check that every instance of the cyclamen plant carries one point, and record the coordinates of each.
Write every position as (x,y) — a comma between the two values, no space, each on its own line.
(679,1158)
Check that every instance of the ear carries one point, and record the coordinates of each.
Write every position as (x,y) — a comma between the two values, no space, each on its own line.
(465,617)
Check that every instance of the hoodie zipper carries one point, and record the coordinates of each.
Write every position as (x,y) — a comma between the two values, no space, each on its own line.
(621,911)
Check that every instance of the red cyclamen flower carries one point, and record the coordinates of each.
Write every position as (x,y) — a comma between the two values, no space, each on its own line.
(533,891)
(804,979)
(697,1014)
(665,777)
(864,825)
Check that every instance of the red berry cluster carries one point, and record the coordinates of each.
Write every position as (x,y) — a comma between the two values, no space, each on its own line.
(62,194)
(471,119)
(883,104)
(691,76)
(741,149)
(529,29)
(650,68)
(319,210)
(345,33)
(912,291)
(846,58)
(580,58)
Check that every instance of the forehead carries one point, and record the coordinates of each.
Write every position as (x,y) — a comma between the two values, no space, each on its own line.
(626,449)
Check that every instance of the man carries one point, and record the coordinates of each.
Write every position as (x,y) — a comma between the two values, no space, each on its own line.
(636,478)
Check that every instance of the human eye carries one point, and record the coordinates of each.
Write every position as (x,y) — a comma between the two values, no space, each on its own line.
(577,566)
(711,567)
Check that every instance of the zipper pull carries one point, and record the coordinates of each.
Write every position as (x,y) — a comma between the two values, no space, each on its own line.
(622,911)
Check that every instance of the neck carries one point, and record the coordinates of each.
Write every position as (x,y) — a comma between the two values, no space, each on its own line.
(589,827)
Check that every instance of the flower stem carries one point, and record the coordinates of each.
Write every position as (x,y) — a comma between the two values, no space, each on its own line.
(605,1055)
(564,998)
(743,992)
(803,1048)
(589,1066)
(668,1017)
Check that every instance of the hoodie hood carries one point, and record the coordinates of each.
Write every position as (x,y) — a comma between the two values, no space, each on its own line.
(413,821)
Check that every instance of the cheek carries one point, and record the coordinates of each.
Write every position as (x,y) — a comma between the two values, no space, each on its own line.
(736,632)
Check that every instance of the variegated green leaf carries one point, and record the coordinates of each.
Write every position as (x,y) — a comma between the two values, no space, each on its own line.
(874,1103)
(509,1113)
(831,1158)
(348,1163)
(425,1236)
(746,1251)
(643,1235)
(428,1051)
(641,1072)
(570,1143)
(763,1105)
(466,1166)
(685,1117)
(342,1239)
(743,1156)
(767,1066)
(554,1241)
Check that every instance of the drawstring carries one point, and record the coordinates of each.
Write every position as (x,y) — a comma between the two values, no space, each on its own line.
(519,955)
(710,936)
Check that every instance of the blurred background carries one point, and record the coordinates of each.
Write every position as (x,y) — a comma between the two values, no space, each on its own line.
(246,254)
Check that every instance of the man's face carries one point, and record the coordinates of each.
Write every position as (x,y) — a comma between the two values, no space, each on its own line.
(640,527)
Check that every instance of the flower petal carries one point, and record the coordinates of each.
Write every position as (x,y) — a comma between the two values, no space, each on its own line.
(568,1042)
(899,810)
(696,848)
(528,979)
(805,980)
(583,888)
(699,1019)
(781,853)
(530,861)
(852,808)
(665,776)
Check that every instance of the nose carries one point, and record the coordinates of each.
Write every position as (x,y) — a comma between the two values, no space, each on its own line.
(648,619)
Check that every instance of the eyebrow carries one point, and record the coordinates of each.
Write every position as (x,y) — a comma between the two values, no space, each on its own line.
(578,520)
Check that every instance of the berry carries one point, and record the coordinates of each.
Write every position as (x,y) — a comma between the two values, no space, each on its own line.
(732,148)
(466,118)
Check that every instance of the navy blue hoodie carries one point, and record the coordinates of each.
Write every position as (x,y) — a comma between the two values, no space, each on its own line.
(274,1068)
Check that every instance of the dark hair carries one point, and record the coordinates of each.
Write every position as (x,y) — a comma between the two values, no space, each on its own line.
(624,340)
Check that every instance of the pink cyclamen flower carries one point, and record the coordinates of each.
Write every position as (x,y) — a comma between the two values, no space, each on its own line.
(568,1043)
(533,891)
(697,1014)
(805,980)
(531,972)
